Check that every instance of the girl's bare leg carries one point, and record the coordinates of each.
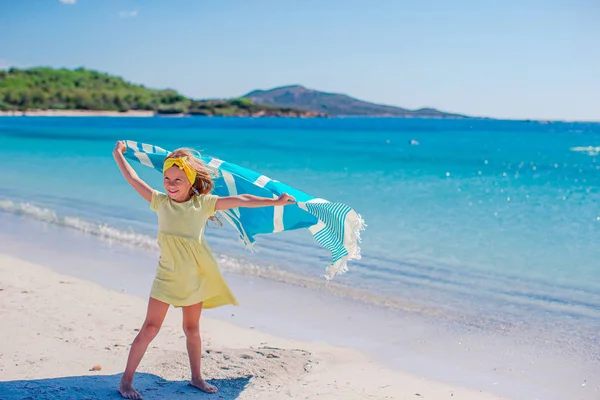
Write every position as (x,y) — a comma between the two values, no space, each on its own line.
(191,327)
(154,319)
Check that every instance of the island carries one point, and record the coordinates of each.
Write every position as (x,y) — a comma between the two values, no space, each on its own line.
(82,92)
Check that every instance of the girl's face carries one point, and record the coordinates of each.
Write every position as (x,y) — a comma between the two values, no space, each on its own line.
(177,184)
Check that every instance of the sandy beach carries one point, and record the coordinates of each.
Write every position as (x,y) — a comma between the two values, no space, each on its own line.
(67,338)
(76,113)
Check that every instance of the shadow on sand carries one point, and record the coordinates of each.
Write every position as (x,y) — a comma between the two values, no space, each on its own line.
(105,387)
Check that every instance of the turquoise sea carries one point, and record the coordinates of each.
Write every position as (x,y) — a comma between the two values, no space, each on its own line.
(492,225)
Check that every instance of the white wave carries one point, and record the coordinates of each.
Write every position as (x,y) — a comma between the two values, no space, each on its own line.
(590,150)
(227,263)
(100,230)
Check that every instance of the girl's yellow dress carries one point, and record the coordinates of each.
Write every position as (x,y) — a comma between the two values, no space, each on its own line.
(187,272)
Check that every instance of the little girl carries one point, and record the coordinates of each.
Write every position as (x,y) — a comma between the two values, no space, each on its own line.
(187,275)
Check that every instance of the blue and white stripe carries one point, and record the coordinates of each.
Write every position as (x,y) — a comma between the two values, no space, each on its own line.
(335,226)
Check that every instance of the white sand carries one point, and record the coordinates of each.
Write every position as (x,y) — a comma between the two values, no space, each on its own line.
(76,113)
(55,328)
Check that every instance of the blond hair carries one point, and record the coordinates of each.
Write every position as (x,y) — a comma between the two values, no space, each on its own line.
(204,183)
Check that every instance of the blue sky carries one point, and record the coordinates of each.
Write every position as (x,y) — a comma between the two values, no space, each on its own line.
(506,59)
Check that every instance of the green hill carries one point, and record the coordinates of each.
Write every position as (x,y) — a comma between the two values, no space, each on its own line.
(336,104)
(81,89)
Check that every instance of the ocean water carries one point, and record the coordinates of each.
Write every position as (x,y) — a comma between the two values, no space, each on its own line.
(493,225)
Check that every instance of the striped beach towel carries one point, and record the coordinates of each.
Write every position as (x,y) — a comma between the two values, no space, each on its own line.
(335,226)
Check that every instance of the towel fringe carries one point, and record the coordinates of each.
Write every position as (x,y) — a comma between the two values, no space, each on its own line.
(351,243)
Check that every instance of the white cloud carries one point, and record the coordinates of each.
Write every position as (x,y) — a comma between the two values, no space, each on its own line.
(68,1)
(128,14)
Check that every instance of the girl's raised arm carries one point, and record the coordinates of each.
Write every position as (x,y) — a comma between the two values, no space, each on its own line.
(129,173)
(250,201)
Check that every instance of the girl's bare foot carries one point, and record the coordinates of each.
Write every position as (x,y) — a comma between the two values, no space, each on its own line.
(127,391)
(203,385)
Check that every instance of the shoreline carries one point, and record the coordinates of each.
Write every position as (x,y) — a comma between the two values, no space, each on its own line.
(307,114)
(147,114)
(499,361)
(77,113)
(59,327)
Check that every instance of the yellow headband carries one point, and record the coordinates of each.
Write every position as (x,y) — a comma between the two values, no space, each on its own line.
(183,165)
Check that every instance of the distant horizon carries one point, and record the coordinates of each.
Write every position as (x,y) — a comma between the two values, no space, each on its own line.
(505,60)
(2,67)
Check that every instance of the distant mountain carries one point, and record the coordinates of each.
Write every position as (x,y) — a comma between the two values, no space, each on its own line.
(335,104)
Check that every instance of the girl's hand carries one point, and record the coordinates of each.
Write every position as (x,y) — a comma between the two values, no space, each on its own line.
(285,199)
(129,173)
(120,147)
